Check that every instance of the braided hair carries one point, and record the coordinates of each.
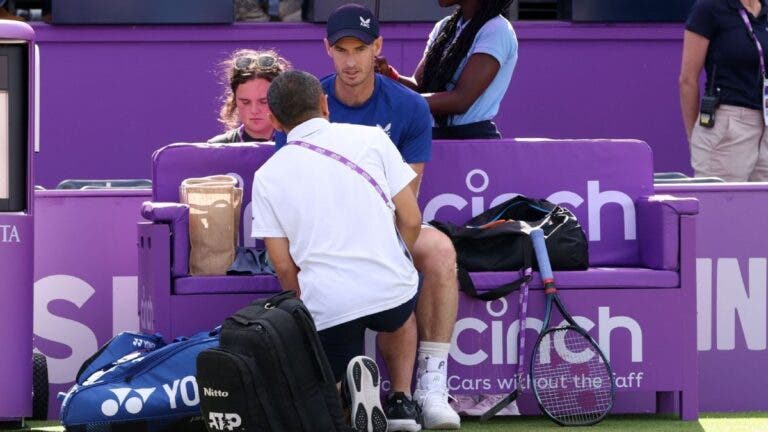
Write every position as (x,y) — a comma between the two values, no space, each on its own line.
(445,55)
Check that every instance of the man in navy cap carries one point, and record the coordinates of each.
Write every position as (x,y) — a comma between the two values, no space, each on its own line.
(356,94)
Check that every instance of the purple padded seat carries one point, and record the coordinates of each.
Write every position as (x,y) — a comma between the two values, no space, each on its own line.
(594,277)
(599,277)
(225,284)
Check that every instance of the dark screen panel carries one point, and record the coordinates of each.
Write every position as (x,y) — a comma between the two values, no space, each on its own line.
(631,10)
(13,100)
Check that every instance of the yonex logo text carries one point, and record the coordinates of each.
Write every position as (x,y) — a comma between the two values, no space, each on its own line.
(133,404)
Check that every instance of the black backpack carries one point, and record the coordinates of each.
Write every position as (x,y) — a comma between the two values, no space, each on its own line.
(269,373)
(496,240)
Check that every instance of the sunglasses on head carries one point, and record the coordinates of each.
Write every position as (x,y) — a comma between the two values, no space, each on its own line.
(264,62)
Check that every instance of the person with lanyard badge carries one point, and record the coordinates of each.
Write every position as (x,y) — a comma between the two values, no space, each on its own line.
(466,69)
(244,111)
(357,95)
(726,130)
(339,219)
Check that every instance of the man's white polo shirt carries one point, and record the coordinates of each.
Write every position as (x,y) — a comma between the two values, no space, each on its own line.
(341,232)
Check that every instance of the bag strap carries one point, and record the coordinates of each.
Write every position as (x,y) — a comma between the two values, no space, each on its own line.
(468,287)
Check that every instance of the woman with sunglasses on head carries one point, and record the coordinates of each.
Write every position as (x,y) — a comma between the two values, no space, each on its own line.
(244,111)
(466,69)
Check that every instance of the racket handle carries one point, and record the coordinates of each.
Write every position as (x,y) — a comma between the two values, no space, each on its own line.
(542,257)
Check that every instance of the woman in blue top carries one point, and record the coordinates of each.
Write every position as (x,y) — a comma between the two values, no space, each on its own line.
(466,69)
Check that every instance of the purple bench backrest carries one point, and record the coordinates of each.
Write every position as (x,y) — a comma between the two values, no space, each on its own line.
(598,179)
(176,162)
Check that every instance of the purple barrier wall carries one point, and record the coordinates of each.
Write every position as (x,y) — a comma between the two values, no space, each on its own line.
(600,179)
(112,95)
(86,271)
(85,276)
(484,351)
(16,238)
(731,274)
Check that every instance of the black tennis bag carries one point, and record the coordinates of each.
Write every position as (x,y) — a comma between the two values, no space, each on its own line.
(496,240)
(269,373)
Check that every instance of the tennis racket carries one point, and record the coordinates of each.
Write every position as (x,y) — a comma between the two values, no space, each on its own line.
(570,376)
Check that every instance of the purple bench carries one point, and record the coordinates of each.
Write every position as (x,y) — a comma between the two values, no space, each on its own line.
(637,298)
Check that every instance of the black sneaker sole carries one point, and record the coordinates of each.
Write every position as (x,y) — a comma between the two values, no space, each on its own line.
(367,414)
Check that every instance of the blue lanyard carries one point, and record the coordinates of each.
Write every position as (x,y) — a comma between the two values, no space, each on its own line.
(745,18)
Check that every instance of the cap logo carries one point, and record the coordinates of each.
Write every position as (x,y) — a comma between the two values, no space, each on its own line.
(365,22)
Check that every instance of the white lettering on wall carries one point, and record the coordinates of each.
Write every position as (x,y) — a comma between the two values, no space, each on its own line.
(9,234)
(733,299)
(125,291)
(596,200)
(467,324)
(609,324)
(77,336)
(704,304)
(477,181)
(505,340)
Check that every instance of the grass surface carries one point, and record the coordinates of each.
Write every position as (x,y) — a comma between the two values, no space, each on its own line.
(709,422)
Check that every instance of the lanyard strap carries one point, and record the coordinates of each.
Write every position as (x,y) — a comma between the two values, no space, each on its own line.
(745,18)
(349,164)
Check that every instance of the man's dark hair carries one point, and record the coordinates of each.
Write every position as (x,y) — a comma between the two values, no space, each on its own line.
(294,97)
(445,56)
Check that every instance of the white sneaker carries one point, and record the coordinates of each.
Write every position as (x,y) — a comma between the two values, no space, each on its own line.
(432,395)
(363,381)
(489,401)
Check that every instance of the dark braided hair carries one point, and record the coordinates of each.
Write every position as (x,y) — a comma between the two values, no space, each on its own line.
(444,57)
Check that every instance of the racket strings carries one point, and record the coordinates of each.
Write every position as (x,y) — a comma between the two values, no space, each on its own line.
(571,382)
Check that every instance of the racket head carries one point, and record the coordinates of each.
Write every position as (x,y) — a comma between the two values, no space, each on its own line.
(571,378)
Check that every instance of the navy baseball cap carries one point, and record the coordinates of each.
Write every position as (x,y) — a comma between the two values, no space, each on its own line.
(352,20)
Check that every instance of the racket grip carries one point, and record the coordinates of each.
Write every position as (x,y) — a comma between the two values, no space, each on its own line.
(542,257)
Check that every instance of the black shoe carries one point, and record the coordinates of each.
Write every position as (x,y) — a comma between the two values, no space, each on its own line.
(403,414)
(363,381)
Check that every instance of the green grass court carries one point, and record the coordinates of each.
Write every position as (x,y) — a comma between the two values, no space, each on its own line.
(709,422)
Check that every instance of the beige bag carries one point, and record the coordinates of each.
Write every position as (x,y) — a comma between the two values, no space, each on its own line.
(214,222)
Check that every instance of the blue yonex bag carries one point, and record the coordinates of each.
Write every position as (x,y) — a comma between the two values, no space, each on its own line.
(150,388)
(119,346)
